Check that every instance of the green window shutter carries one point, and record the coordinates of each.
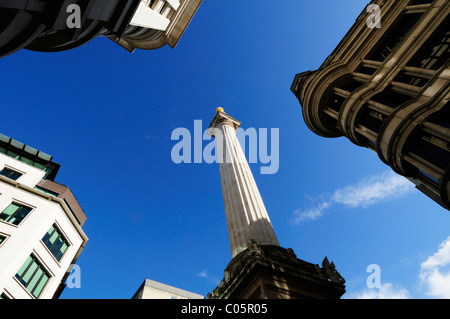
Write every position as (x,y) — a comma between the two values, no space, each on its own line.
(9,211)
(24,267)
(33,276)
(36,277)
(37,291)
(30,271)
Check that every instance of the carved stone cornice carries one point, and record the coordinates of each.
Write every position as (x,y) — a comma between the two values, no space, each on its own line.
(280,263)
(223,118)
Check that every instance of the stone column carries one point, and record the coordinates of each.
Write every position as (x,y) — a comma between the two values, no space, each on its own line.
(247,218)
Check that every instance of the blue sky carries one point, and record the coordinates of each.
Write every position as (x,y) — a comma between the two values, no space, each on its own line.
(107,116)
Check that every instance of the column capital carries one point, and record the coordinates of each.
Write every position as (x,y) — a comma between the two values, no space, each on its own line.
(222,118)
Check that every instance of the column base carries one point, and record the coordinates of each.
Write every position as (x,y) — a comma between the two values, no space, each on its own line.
(273,272)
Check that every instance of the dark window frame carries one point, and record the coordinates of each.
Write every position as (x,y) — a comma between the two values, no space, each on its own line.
(22,209)
(38,267)
(11,173)
(58,244)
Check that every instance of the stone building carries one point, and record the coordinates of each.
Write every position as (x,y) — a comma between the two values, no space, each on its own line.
(385,87)
(50,26)
(151,289)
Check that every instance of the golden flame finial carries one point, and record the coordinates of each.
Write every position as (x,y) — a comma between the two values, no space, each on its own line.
(219,109)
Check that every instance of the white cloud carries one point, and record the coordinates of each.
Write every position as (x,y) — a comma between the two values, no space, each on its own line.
(373,189)
(369,191)
(204,274)
(433,274)
(311,214)
(386,291)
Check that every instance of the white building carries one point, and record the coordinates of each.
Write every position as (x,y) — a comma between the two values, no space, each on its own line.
(151,289)
(40,224)
(157,23)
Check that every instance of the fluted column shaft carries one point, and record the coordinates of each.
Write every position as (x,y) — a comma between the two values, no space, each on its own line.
(246,214)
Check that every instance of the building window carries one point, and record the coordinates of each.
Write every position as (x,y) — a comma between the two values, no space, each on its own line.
(55,242)
(10,174)
(434,53)
(417,2)
(47,191)
(429,177)
(4,296)
(15,213)
(366,69)
(432,149)
(340,90)
(371,119)
(389,97)
(2,239)
(33,276)
(23,159)
(408,77)
(394,36)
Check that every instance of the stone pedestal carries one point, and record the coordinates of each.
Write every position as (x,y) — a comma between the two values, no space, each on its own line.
(273,272)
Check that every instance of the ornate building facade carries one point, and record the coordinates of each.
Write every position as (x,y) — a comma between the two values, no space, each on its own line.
(50,26)
(386,87)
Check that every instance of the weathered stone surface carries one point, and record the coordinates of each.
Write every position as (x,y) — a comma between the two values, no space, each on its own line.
(273,272)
